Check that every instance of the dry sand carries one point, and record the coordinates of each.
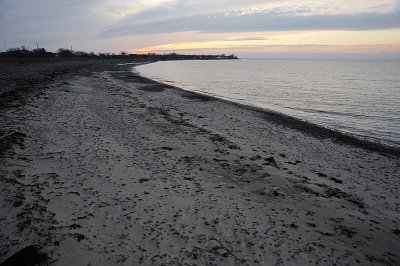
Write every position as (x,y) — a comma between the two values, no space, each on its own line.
(110,168)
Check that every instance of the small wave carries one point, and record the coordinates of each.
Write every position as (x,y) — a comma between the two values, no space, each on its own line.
(318,111)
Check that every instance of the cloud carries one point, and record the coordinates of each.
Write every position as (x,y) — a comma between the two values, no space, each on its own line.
(120,23)
(250,39)
(241,21)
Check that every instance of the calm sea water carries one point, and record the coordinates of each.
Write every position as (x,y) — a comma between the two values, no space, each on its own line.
(358,97)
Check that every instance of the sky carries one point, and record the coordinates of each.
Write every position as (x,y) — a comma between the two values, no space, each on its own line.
(248,28)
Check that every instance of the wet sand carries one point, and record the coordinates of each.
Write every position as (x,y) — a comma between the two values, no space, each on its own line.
(100,166)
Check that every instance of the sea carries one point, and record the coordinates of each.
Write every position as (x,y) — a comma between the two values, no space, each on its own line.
(358,97)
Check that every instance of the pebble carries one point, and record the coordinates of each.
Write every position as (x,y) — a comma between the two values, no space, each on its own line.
(144,179)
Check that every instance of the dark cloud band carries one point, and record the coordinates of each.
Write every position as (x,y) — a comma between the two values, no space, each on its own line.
(271,21)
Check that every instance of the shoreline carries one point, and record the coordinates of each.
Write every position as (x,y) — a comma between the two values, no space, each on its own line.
(302,125)
(106,167)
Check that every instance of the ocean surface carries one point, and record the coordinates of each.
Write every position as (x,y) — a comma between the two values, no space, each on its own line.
(357,97)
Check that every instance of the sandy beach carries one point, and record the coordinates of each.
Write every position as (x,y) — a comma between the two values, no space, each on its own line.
(100,166)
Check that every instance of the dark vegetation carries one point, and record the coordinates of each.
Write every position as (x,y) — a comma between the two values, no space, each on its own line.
(30,255)
(62,53)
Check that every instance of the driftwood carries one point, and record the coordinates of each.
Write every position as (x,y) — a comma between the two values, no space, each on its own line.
(221,246)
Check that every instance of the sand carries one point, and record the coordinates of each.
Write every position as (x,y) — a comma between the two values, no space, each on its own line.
(103,167)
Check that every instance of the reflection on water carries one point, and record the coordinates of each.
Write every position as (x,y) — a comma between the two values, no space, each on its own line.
(359,97)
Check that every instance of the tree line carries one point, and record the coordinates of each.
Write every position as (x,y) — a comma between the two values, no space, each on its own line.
(23,52)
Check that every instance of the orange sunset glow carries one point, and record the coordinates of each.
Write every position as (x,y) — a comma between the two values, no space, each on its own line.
(292,42)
